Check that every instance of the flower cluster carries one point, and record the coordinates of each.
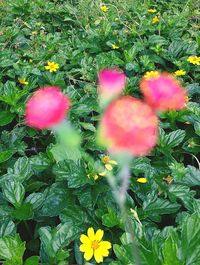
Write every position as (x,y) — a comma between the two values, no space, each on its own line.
(128,121)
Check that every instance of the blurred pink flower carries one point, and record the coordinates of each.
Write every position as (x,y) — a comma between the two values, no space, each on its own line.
(111,83)
(163,92)
(46,108)
(129,125)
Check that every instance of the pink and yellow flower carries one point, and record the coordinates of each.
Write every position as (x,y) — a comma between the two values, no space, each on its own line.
(111,83)
(46,108)
(129,125)
(163,92)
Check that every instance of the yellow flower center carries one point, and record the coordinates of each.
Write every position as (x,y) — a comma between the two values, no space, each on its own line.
(105,159)
(95,244)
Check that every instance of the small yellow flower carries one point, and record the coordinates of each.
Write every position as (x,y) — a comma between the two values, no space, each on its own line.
(115,47)
(180,72)
(108,162)
(151,10)
(194,60)
(104,8)
(92,245)
(156,19)
(142,180)
(151,74)
(52,67)
(34,33)
(97,175)
(23,81)
(30,61)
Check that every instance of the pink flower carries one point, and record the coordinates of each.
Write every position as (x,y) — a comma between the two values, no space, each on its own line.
(163,92)
(129,125)
(111,83)
(46,108)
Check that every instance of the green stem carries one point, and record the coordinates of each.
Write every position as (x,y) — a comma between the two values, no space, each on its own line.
(28,229)
(120,197)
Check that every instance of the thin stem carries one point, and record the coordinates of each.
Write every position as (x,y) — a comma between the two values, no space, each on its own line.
(120,197)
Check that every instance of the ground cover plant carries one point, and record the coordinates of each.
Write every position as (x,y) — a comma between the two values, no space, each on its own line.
(56,203)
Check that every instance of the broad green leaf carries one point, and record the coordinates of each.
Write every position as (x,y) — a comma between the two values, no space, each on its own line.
(73,172)
(34,260)
(12,249)
(7,228)
(110,219)
(5,155)
(190,238)
(36,199)
(56,200)
(14,192)
(24,212)
(6,117)
(170,250)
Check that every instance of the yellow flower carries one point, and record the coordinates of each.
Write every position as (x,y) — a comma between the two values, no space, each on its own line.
(142,180)
(194,60)
(30,60)
(108,162)
(156,19)
(23,81)
(151,74)
(151,10)
(92,245)
(34,33)
(115,47)
(97,175)
(180,72)
(52,67)
(104,8)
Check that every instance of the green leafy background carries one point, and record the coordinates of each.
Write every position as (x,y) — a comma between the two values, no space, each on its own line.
(46,198)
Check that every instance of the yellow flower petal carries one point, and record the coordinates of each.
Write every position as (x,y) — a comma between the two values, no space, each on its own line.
(98,256)
(105,244)
(142,180)
(108,167)
(85,247)
(88,254)
(102,174)
(113,162)
(85,240)
(90,233)
(99,234)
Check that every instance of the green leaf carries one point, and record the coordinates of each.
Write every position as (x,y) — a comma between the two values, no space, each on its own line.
(7,228)
(170,250)
(5,155)
(192,177)
(157,206)
(24,212)
(14,192)
(36,199)
(190,232)
(6,117)
(171,140)
(59,153)
(56,200)
(22,169)
(110,219)
(73,172)
(12,249)
(34,260)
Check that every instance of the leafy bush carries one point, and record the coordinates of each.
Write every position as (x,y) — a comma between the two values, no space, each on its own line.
(50,195)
